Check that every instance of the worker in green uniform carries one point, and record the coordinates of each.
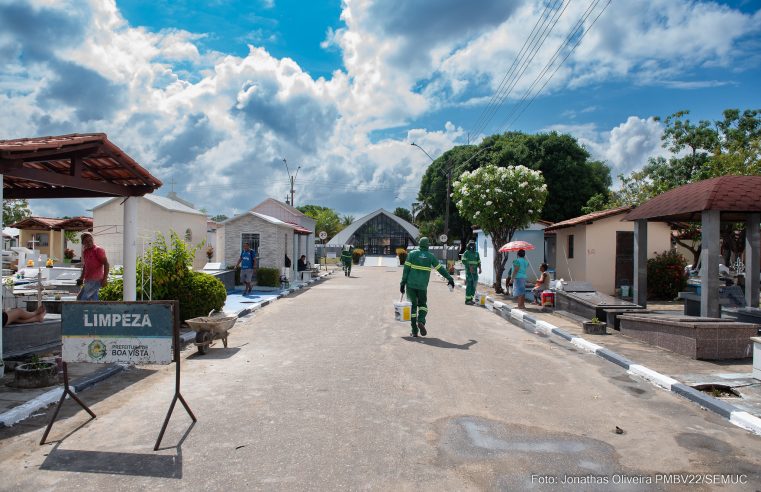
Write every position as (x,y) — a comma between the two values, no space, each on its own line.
(346,260)
(417,272)
(471,260)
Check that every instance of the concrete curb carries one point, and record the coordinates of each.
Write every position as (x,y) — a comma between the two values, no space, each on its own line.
(735,416)
(25,410)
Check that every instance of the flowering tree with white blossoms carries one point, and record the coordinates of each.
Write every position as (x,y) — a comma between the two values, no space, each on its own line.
(501,200)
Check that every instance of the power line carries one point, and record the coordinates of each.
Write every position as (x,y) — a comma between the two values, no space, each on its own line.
(495,96)
(524,64)
(573,34)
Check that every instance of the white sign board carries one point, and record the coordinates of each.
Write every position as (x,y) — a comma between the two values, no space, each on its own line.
(123,332)
(323,235)
(443,238)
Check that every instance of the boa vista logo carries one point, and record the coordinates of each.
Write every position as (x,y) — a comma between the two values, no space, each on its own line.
(96,350)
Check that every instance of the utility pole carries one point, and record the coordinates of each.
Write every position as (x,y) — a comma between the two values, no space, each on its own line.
(292,180)
(448,175)
(446,217)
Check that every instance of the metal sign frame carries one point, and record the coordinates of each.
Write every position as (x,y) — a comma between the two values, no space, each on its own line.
(175,308)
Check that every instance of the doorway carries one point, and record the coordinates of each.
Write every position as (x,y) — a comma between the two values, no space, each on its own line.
(624,258)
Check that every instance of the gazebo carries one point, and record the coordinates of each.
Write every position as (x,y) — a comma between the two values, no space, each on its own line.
(47,224)
(711,201)
(78,166)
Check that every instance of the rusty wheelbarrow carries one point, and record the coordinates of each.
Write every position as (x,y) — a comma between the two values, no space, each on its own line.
(210,328)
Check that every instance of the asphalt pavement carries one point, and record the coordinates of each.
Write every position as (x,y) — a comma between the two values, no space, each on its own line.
(323,390)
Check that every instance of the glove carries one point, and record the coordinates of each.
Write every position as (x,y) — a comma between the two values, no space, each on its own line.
(451,282)
(401,288)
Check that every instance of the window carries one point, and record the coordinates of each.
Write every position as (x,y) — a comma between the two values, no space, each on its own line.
(570,246)
(37,241)
(188,235)
(250,238)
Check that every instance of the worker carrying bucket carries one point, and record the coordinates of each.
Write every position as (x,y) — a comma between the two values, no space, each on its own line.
(417,273)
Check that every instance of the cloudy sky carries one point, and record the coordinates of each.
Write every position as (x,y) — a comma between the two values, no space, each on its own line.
(211,96)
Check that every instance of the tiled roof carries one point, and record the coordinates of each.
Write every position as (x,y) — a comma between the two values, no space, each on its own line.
(734,196)
(162,201)
(583,219)
(46,223)
(71,166)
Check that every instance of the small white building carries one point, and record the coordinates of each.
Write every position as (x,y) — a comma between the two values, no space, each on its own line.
(534,234)
(599,248)
(273,229)
(155,215)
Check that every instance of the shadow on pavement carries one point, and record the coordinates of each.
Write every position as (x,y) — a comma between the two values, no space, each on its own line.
(133,464)
(437,342)
(91,396)
(216,352)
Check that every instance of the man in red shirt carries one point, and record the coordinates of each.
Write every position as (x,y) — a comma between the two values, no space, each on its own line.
(94,269)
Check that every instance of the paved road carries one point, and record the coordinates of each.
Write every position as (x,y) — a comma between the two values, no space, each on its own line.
(325,391)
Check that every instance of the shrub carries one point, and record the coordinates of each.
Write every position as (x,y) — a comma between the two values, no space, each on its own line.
(200,294)
(357,254)
(68,254)
(268,277)
(197,292)
(665,275)
(402,254)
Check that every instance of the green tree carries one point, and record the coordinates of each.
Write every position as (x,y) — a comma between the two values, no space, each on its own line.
(572,177)
(703,150)
(219,218)
(346,220)
(15,210)
(501,200)
(403,213)
(327,218)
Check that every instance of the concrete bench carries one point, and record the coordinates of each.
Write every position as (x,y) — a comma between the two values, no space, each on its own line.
(695,337)
(25,339)
(612,315)
(756,357)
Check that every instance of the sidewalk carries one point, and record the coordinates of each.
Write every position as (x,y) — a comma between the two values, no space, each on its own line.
(671,371)
(17,404)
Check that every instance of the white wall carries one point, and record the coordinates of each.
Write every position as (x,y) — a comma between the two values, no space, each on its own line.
(595,250)
(533,235)
(108,228)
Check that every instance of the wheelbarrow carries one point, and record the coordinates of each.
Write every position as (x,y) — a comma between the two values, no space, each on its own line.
(210,328)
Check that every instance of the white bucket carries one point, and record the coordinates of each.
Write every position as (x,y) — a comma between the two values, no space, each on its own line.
(402,310)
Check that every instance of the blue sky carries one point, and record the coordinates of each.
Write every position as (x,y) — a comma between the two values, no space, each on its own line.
(212,95)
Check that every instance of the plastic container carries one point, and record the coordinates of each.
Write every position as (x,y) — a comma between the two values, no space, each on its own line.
(402,310)
(548,299)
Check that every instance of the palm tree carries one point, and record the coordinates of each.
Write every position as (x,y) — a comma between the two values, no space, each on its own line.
(346,220)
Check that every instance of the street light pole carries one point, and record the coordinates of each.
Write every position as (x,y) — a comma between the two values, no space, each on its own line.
(448,175)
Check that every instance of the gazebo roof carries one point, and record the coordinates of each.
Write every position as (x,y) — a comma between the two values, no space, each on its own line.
(47,223)
(70,166)
(734,196)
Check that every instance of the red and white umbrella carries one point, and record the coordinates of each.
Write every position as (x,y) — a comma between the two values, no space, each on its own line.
(516,246)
